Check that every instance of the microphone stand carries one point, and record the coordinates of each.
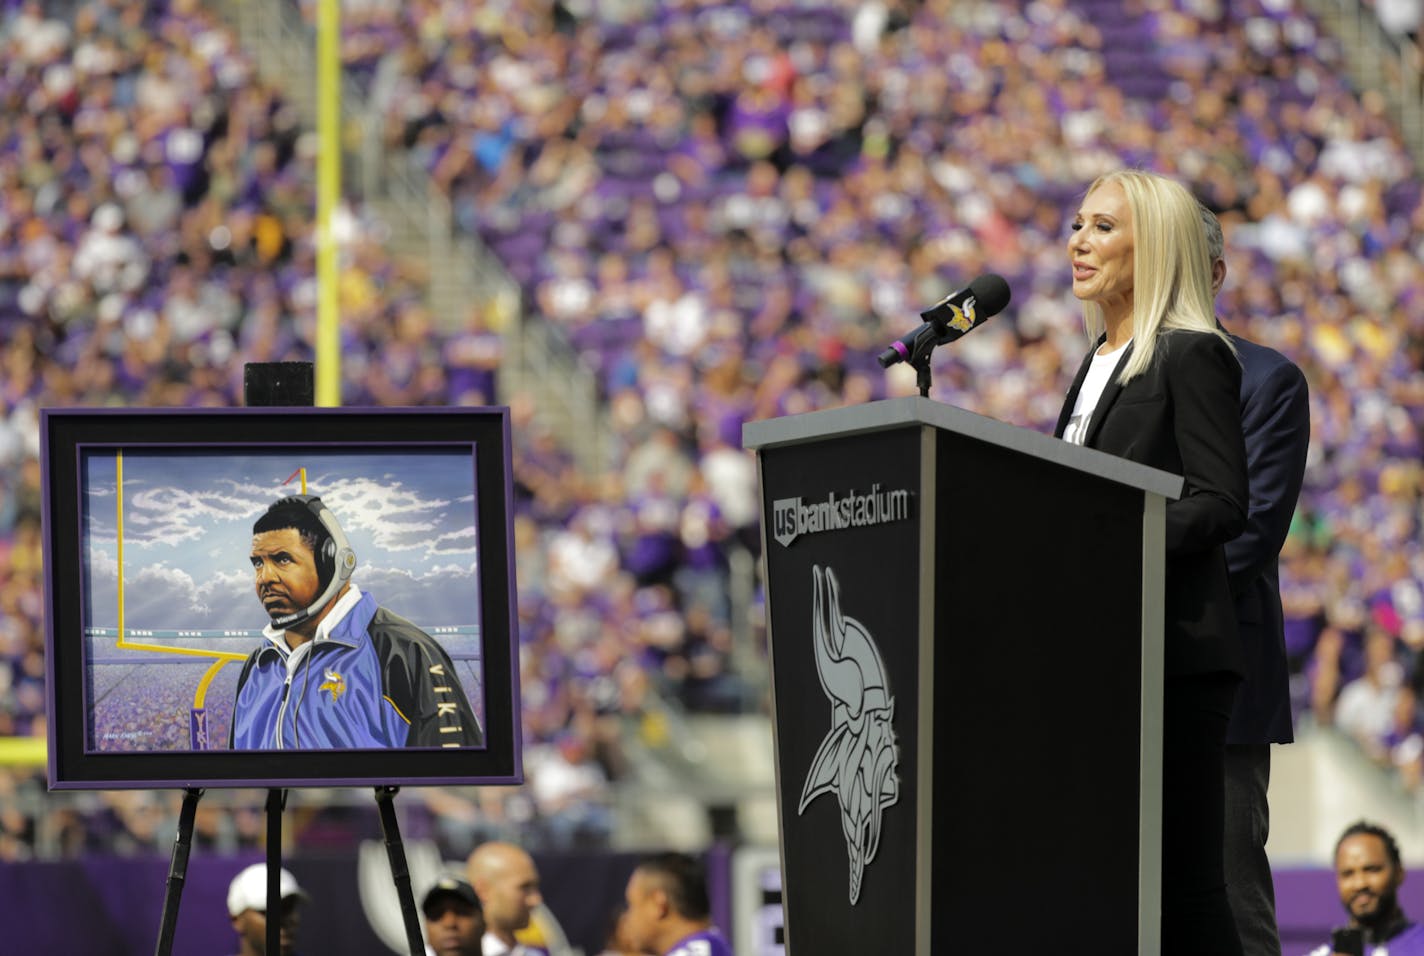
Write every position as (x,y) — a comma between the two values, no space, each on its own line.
(922,374)
(919,358)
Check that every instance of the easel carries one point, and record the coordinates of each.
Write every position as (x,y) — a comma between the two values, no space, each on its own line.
(268,384)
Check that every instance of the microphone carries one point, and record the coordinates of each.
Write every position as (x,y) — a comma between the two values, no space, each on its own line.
(952,316)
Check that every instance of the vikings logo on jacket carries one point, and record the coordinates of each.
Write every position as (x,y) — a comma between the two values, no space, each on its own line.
(333,683)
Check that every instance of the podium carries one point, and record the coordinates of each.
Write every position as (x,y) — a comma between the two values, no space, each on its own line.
(966,650)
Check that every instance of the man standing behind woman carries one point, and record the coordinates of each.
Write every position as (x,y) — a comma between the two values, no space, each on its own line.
(1275,417)
(1161,387)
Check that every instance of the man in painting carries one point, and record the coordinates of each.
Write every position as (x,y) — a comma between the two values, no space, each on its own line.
(336,670)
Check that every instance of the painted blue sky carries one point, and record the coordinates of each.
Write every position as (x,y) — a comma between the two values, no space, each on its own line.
(187,523)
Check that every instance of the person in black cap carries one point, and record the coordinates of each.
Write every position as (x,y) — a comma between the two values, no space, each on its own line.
(454,921)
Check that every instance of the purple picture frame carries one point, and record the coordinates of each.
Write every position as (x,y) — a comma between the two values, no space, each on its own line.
(144,645)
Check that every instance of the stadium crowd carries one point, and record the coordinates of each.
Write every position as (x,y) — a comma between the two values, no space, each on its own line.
(727,209)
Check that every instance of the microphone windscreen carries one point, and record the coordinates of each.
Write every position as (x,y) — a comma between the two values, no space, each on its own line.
(991,294)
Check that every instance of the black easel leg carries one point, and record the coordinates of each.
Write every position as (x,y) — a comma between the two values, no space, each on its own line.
(177,871)
(276,801)
(399,871)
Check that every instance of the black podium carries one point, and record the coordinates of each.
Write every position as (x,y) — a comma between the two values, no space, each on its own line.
(967,728)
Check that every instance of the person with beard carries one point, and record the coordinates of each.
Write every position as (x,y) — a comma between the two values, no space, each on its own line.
(1368,873)
(336,670)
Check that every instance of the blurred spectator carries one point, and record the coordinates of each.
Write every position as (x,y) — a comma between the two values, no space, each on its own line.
(1403,743)
(507,883)
(1368,872)
(668,909)
(454,922)
(569,791)
(1366,706)
(247,907)
(616,943)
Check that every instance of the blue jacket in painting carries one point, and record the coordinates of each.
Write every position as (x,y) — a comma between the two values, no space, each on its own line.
(368,679)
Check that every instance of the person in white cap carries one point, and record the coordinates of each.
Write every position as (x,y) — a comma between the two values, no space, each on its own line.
(247,905)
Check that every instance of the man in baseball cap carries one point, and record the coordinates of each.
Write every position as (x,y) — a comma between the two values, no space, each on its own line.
(454,921)
(247,905)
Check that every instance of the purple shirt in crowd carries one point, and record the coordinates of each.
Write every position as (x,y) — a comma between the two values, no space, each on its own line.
(1408,943)
(707,942)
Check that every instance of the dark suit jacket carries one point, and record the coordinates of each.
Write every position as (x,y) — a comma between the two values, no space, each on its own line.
(1183,415)
(1275,415)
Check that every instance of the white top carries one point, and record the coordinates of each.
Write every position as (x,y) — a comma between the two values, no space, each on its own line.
(339,610)
(1365,708)
(1099,373)
(494,946)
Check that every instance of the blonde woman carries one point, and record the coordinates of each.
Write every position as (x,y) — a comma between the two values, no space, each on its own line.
(1161,386)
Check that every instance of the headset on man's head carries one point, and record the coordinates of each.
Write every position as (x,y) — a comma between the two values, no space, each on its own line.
(335,558)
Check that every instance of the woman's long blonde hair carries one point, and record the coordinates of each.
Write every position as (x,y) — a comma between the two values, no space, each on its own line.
(1171,268)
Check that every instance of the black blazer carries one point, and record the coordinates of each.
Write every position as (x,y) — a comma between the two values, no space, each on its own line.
(1275,416)
(1183,415)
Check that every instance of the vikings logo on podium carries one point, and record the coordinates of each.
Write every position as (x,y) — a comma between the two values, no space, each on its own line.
(858,759)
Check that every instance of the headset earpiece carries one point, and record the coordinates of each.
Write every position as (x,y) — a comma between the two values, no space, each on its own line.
(326,557)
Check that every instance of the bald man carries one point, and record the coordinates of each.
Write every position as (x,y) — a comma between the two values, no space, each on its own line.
(507,884)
